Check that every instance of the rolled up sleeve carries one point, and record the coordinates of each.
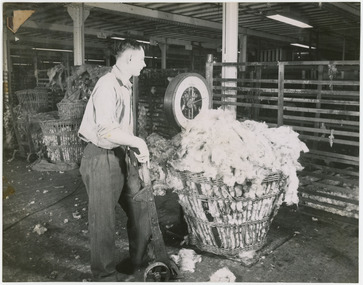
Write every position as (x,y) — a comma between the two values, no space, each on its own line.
(107,121)
(104,104)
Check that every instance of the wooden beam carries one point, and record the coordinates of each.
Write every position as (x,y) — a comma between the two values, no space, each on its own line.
(179,19)
(202,23)
(207,43)
(69,29)
(154,14)
(346,8)
(47,42)
(255,33)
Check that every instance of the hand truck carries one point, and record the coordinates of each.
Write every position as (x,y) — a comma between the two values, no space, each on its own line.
(162,268)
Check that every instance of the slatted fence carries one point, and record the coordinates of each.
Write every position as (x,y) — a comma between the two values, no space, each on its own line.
(319,100)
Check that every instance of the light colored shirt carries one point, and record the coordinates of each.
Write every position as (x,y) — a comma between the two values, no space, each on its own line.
(109,107)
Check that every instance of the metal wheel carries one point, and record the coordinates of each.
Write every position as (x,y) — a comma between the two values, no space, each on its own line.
(157,272)
(186,96)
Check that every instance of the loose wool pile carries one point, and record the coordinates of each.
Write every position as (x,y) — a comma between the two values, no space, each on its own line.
(161,151)
(219,146)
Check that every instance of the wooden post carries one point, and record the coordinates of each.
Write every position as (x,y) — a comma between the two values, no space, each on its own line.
(67,65)
(243,53)
(6,88)
(303,77)
(230,50)
(162,47)
(320,87)
(36,70)
(318,104)
(280,100)
(11,123)
(249,114)
(209,75)
(256,98)
(192,59)
(242,58)
(78,15)
(317,51)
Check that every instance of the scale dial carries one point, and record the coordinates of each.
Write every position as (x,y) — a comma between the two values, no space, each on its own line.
(186,96)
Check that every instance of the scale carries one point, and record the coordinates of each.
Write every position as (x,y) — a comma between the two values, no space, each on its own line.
(186,96)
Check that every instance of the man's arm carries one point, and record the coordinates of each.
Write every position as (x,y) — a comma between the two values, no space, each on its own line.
(118,136)
(104,101)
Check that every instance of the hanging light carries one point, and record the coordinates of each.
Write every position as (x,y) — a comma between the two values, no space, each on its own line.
(122,39)
(96,60)
(53,49)
(302,46)
(288,20)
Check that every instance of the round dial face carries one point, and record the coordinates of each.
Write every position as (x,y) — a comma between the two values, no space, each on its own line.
(186,96)
(191,102)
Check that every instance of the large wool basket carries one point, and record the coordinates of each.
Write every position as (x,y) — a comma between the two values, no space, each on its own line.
(71,110)
(62,141)
(227,225)
(35,128)
(33,100)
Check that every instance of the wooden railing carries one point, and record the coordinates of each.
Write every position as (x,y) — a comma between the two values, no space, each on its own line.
(319,100)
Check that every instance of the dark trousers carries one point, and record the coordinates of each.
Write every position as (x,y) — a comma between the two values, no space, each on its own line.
(111,177)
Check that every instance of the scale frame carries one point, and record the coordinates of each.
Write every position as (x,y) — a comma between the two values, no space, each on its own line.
(186,90)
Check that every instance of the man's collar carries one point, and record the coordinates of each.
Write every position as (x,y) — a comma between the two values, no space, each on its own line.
(125,81)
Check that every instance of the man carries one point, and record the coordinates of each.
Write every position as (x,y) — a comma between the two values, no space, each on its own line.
(109,166)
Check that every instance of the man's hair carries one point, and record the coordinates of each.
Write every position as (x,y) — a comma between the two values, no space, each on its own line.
(121,46)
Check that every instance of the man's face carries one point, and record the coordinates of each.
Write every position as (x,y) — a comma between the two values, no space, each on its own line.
(137,62)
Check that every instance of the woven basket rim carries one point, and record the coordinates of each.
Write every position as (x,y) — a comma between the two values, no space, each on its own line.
(32,91)
(236,199)
(61,121)
(276,176)
(66,146)
(23,91)
(77,102)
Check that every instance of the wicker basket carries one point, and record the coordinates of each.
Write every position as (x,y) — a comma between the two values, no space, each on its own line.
(35,129)
(71,110)
(33,100)
(62,141)
(227,225)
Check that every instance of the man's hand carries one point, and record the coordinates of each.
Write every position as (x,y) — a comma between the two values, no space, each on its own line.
(143,155)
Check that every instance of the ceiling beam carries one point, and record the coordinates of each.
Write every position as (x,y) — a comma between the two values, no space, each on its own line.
(348,17)
(346,8)
(208,43)
(179,19)
(154,14)
(177,42)
(249,32)
(66,29)
(139,11)
(47,43)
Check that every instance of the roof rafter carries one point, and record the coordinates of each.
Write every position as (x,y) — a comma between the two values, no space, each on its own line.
(179,19)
